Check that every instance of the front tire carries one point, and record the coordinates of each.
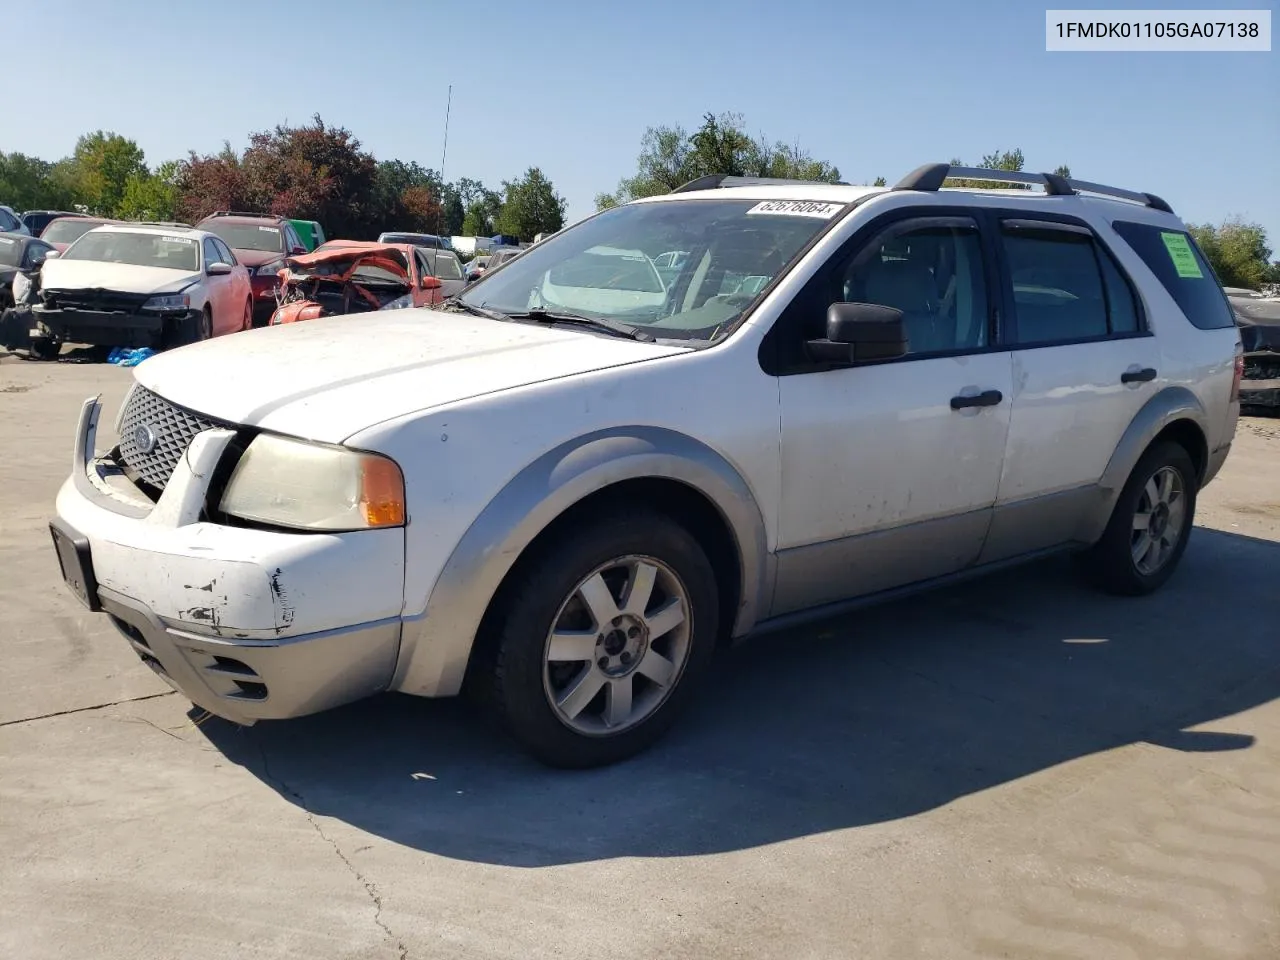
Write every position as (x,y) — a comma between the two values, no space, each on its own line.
(1150,524)
(602,637)
(186,329)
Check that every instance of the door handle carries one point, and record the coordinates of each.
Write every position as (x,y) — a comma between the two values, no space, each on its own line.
(987,398)
(1145,375)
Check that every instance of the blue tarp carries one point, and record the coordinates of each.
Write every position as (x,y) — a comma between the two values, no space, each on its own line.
(127,356)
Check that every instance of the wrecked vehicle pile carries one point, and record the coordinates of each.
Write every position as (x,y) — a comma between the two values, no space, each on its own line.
(1259,321)
(348,276)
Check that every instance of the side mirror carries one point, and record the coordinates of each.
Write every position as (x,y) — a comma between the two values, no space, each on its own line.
(429,283)
(860,333)
(297,251)
(218,269)
(50,255)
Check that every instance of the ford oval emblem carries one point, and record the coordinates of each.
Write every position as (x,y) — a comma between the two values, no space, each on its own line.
(145,438)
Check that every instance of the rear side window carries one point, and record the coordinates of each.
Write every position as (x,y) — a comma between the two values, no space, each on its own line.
(1058,290)
(1180,266)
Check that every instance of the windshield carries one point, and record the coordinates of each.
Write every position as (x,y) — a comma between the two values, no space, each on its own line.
(137,249)
(442,265)
(605,267)
(68,231)
(10,252)
(247,236)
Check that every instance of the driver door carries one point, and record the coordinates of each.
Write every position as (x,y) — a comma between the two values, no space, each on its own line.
(890,469)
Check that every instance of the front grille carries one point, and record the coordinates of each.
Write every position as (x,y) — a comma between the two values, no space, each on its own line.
(172,427)
(104,301)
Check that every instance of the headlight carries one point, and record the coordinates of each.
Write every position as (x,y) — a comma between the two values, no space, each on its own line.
(170,301)
(269,269)
(399,303)
(308,486)
(21,287)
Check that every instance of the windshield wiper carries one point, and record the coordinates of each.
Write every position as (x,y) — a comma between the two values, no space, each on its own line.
(539,315)
(472,309)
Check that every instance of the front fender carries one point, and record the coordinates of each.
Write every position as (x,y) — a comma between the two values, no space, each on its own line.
(437,644)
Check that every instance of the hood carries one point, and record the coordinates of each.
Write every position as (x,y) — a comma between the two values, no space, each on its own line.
(1259,321)
(329,378)
(340,262)
(256,258)
(119,277)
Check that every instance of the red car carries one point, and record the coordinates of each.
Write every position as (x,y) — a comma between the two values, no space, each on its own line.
(262,242)
(351,276)
(61,232)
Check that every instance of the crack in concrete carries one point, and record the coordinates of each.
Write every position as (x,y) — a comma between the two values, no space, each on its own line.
(96,706)
(370,888)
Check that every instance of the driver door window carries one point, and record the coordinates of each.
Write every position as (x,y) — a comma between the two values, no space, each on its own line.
(934,274)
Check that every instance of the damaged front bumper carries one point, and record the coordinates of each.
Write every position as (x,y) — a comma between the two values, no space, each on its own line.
(101,327)
(249,624)
(1260,385)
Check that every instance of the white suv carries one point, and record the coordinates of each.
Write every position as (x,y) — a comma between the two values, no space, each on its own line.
(841,393)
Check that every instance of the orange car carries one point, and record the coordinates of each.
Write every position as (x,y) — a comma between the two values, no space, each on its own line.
(352,276)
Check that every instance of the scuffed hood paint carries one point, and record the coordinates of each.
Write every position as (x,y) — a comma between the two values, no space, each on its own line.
(121,277)
(329,378)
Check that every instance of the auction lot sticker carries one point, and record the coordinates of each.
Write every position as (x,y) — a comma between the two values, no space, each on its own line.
(798,208)
(1157,31)
(1183,257)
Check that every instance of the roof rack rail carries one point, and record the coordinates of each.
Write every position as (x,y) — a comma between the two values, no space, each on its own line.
(717,180)
(157,223)
(932,175)
(245,213)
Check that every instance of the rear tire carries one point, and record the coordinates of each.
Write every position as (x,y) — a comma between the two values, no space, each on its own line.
(579,673)
(1150,525)
(248,316)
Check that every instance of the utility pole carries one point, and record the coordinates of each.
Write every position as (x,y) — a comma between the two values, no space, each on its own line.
(444,153)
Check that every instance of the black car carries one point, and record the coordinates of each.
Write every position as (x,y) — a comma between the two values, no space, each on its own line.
(37,220)
(18,253)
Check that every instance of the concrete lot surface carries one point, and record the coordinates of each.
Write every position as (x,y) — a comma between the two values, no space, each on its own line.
(1014,768)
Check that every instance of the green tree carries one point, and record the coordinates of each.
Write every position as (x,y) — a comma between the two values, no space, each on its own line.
(151,196)
(29,183)
(530,206)
(101,165)
(1238,252)
(1063,171)
(880,182)
(671,156)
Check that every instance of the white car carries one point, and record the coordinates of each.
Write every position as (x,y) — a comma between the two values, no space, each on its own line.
(570,510)
(141,285)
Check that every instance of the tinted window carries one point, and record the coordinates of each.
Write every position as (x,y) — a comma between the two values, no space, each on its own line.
(1058,291)
(35,254)
(224,252)
(934,275)
(1180,266)
(1122,302)
(9,222)
(68,231)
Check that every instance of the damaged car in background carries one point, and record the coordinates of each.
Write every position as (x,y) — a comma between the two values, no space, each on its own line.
(140,285)
(1258,318)
(350,276)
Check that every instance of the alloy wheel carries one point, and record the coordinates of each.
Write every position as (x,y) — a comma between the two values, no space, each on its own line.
(1158,521)
(617,646)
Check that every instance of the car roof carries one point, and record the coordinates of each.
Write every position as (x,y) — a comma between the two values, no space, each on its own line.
(244,218)
(827,192)
(156,228)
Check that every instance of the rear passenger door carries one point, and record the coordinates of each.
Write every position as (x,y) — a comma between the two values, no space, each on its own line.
(1084,364)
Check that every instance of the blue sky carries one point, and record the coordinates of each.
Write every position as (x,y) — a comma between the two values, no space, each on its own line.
(876,89)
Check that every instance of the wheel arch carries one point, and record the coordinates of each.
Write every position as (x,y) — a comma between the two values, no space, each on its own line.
(1174,413)
(671,470)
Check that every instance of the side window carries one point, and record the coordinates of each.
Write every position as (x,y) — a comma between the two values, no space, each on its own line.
(1058,290)
(224,252)
(932,270)
(1122,302)
(1183,271)
(211,254)
(291,237)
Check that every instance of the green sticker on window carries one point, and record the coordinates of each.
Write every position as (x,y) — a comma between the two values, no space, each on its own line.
(1183,257)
